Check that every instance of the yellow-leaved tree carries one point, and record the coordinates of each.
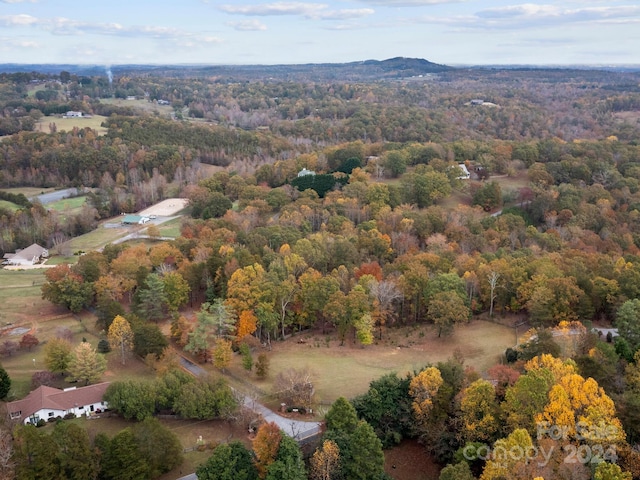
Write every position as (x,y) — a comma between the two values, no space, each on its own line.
(121,336)
(584,409)
(422,389)
(325,463)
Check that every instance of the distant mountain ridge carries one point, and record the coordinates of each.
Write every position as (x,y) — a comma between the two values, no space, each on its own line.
(371,70)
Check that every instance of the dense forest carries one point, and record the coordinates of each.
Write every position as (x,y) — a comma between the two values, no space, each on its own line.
(384,231)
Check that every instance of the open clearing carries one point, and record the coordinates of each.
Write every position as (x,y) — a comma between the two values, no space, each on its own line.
(67,124)
(67,205)
(347,370)
(6,205)
(143,105)
(165,208)
(28,191)
(21,298)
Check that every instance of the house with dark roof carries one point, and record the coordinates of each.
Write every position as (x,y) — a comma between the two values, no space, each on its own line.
(31,255)
(48,402)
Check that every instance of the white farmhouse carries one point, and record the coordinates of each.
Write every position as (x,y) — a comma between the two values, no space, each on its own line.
(48,402)
(31,255)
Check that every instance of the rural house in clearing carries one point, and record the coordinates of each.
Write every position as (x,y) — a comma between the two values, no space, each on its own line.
(48,402)
(31,255)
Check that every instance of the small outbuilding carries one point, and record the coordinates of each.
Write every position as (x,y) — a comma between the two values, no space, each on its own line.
(134,220)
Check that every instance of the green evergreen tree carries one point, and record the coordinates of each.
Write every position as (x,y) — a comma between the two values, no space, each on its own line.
(78,460)
(288,464)
(123,459)
(365,459)
(341,417)
(5,383)
(159,446)
(229,461)
(152,301)
(35,455)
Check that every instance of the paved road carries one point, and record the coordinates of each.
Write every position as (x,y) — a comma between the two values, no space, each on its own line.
(55,196)
(294,428)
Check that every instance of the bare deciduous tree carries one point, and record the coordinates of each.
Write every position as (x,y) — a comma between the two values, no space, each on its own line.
(295,387)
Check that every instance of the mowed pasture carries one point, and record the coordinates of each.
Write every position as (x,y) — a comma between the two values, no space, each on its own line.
(68,205)
(347,370)
(24,363)
(21,298)
(98,238)
(68,124)
(10,206)
(145,106)
(28,191)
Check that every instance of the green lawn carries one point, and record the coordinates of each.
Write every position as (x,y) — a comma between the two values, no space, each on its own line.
(97,239)
(20,295)
(347,370)
(170,228)
(10,206)
(67,204)
(60,259)
(21,365)
(68,124)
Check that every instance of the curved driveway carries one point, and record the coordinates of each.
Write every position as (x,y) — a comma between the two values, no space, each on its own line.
(296,429)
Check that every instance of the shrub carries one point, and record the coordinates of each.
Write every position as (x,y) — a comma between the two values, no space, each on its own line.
(262,366)
(511,355)
(103,346)
(247,359)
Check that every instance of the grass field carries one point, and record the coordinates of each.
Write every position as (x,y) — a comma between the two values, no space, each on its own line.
(6,205)
(28,191)
(170,228)
(20,296)
(68,124)
(23,364)
(68,204)
(346,371)
(144,105)
(96,239)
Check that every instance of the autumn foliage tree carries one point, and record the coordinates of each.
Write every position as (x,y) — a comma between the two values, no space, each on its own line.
(422,389)
(265,445)
(121,336)
(247,324)
(325,462)
(86,364)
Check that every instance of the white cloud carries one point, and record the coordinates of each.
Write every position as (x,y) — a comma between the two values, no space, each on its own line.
(8,43)
(66,26)
(17,20)
(248,25)
(409,3)
(18,1)
(530,15)
(315,11)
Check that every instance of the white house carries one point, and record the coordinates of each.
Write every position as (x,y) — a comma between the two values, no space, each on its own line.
(31,255)
(465,172)
(72,114)
(48,402)
(304,172)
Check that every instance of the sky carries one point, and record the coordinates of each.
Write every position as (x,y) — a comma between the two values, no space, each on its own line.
(237,32)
